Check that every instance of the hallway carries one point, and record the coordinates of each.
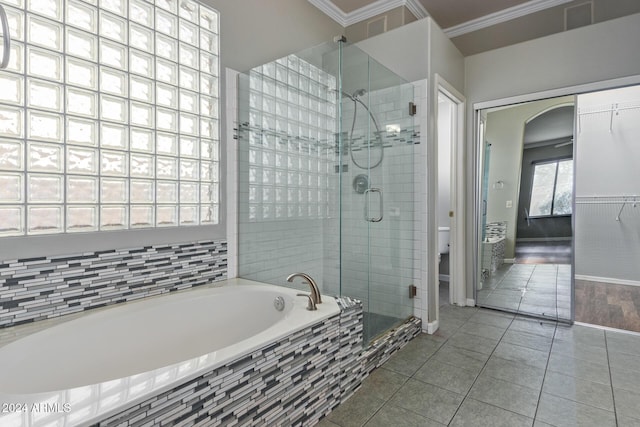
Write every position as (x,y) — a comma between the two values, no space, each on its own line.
(485,368)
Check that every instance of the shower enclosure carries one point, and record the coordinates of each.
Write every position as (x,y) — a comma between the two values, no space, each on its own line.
(326,183)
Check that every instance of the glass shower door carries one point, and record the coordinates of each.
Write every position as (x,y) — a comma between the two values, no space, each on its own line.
(377,187)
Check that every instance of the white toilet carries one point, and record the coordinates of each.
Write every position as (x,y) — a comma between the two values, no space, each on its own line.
(443,241)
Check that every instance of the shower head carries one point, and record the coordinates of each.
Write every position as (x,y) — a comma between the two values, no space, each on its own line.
(358,93)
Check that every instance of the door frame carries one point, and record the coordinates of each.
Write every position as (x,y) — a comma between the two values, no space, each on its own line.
(457,262)
(473,221)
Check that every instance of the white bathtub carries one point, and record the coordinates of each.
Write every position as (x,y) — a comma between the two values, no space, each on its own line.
(86,369)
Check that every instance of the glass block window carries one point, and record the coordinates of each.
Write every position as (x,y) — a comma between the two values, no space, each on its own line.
(291,141)
(109,116)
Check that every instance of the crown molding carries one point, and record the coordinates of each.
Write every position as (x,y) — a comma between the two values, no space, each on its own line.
(373,9)
(417,9)
(331,10)
(502,16)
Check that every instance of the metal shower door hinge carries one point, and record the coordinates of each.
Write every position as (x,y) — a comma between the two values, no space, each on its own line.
(413,291)
(412,109)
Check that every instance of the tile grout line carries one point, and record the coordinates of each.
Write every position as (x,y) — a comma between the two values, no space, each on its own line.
(424,363)
(481,371)
(407,378)
(555,317)
(613,394)
(584,379)
(544,377)
(526,286)
(557,313)
(500,281)
(443,343)
(411,377)
(405,381)
(390,397)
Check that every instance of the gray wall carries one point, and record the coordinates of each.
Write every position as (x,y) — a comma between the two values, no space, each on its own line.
(589,54)
(391,49)
(253,32)
(586,55)
(545,22)
(417,51)
(395,18)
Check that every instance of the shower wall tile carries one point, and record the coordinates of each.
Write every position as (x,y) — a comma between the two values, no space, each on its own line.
(40,288)
(286,135)
(286,171)
(271,251)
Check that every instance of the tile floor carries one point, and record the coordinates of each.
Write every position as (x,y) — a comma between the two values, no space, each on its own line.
(486,368)
(537,289)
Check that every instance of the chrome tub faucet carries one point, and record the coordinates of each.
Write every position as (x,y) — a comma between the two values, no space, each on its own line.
(315,292)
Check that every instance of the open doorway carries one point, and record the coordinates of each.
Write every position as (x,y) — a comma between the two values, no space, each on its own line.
(446,132)
(450,192)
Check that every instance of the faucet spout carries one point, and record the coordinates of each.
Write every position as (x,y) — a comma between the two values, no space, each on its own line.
(315,291)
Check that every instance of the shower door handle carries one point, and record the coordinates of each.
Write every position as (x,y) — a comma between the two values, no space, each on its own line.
(367,192)
(6,38)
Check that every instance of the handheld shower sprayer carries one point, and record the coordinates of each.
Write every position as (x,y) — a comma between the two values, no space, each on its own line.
(355,97)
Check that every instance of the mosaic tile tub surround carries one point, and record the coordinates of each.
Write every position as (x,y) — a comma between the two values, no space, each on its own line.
(493,247)
(496,229)
(45,287)
(295,381)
